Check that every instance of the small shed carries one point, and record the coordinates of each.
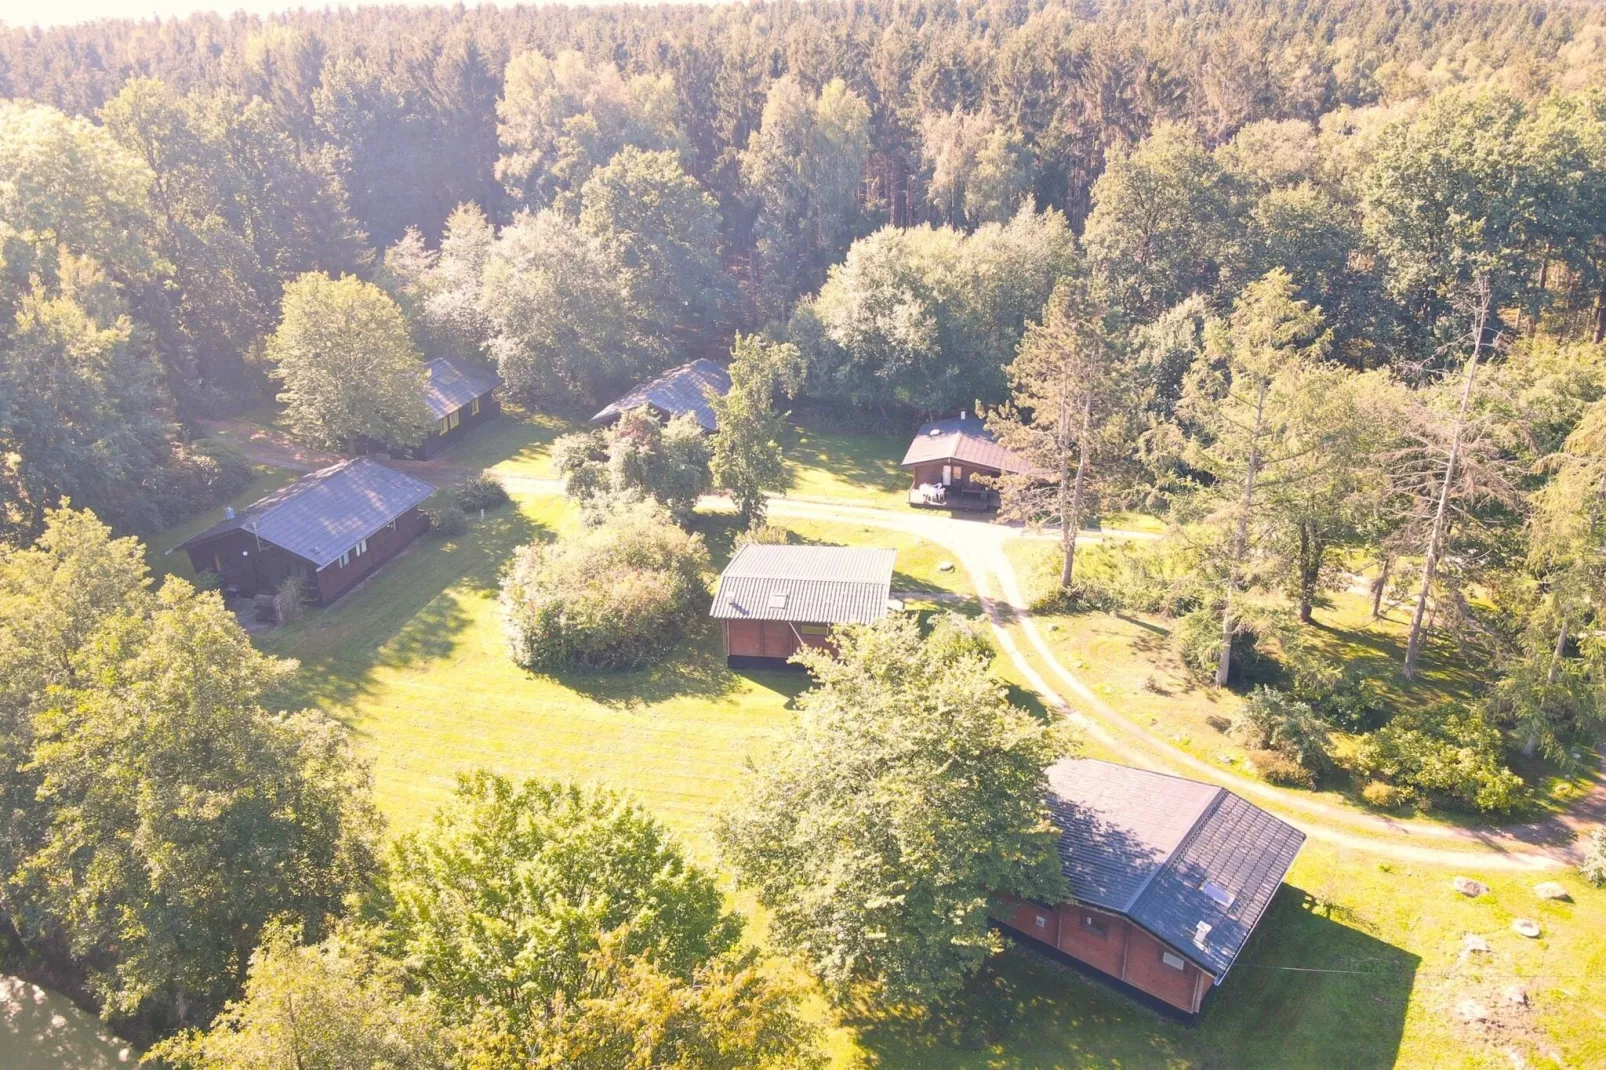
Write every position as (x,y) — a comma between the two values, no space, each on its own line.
(947,455)
(774,600)
(458,398)
(329,529)
(683,389)
(1168,878)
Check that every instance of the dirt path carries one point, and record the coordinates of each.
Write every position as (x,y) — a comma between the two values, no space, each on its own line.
(979,545)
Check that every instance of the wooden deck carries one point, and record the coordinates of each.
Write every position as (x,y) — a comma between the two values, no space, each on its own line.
(970,501)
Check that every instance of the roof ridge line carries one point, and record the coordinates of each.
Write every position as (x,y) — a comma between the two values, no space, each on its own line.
(1182,844)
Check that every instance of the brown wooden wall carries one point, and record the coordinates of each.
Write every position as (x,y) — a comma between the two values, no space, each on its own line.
(768,638)
(1122,950)
(236,557)
(435,442)
(931,472)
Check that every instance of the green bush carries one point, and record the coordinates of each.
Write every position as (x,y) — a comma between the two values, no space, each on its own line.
(1198,640)
(446,519)
(1278,768)
(1385,796)
(1274,720)
(764,535)
(1594,864)
(953,637)
(197,476)
(481,492)
(612,596)
(1443,752)
(1345,696)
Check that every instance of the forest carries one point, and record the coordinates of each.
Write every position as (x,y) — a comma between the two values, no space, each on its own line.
(1319,286)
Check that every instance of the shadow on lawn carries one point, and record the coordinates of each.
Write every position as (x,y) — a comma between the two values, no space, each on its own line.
(1261,1017)
(868,460)
(409,611)
(694,667)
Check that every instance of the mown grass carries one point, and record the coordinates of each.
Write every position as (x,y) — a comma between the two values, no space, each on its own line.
(43,1030)
(414,662)
(858,469)
(518,443)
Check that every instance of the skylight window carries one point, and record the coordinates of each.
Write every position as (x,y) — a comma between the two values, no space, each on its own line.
(1217,893)
(935,432)
(778,600)
(1201,931)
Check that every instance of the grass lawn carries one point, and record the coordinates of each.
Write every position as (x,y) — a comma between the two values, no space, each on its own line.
(518,443)
(1130,661)
(43,1030)
(860,469)
(265,481)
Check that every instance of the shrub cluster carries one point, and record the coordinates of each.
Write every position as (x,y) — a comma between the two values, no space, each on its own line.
(481,492)
(1444,753)
(1198,641)
(1275,725)
(198,475)
(445,518)
(1345,696)
(613,596)
(1145,577)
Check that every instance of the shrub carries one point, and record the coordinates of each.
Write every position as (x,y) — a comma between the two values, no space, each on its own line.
(1453,754)
(1198,640)
(1384,796)
(609,597)
(481,492)
(1594,864)
(1345,696)
(1278,768)
(1149,577)
(1274,720)
(953,637)
(446,519)
(764,535)
(197,476)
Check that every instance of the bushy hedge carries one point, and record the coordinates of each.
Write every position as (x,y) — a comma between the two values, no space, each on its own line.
(196,477)
(1275,721)
(445,518)
(481,492)
(1443,753)
(1346,696)
(613,596)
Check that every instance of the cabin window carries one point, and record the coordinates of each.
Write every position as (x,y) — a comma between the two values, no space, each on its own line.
(1096,926)
(777,600)
(474,407)
(959,473)
(390,526)
(361,547)
(1042,922)
(1173,961)
(814,629)
(344,559)
(1219,895)
(454,419)
(442,425)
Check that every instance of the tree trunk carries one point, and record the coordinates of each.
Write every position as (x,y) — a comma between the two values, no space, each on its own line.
(1312,549)
(1379,585)
(1240,538)
(1071,514)
(1413,644)
(1600,318)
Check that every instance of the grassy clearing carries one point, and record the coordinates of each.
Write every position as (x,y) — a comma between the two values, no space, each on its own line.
(265,481)
(518,443)
(44,1030)
(1130,661)
(859,469)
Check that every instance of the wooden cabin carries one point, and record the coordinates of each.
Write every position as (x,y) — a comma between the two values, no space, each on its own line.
(945,458)
(330,529)
(683,389)
(774,600)
(459,399)
(1168,879)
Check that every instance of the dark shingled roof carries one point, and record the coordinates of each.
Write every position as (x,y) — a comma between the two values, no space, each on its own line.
(452,386)
(966,440)
(325,513)
(807,584)
(682,389)
(1146,844)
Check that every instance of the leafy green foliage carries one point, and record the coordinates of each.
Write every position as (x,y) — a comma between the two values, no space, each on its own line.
(635,459)
(348,364)
(909,794)
(613,596)
(1443,753)
(1274,720)
(483,491)
(498,904)
(746,458)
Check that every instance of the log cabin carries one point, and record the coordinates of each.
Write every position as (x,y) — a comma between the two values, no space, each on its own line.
(774,600)
(1168,878)
(329,529)
(945,458)
(683,389)
(458,399)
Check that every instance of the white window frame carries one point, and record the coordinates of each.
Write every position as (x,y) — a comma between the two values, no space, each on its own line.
(454,418)
(360,549)
(1176,962)
(343,560)
(474,407)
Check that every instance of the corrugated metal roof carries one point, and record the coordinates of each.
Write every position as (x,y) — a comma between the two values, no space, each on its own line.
(807,584)
(682,389)
(966,440)
(325,513)
(451,387)
(1145,844)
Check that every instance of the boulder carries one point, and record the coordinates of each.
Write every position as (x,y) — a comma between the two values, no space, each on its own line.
(1551,890)
(1469,887)
(1526,927)
(1475,943)
(1472,1011)
(945,566)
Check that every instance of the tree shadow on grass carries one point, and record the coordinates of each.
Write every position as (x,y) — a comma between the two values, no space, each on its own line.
(693,668)
(867,460)
(411,610)
(1262,1017)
